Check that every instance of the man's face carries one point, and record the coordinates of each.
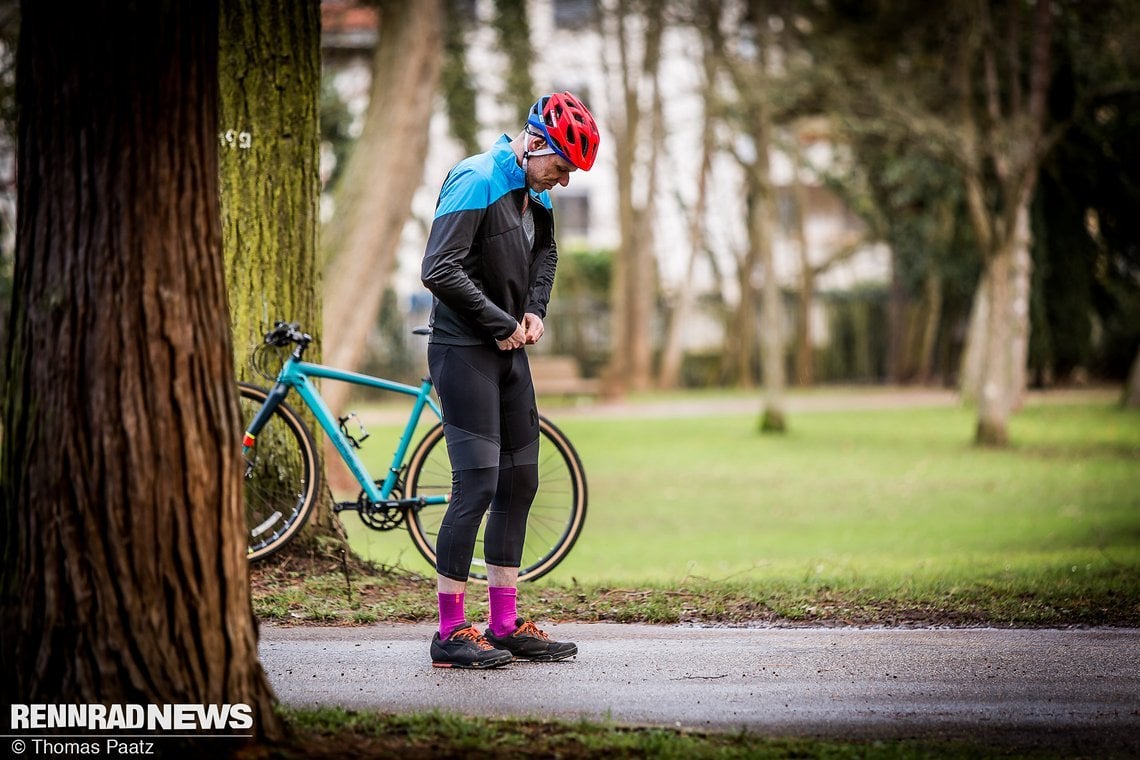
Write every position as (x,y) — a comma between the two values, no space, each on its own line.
(544,172)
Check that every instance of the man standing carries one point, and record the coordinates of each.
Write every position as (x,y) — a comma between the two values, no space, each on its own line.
(490,264)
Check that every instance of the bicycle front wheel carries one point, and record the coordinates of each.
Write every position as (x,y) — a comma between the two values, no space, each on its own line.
(282,475)
(556,515)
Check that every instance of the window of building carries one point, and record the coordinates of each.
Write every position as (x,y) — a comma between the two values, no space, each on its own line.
(574,14)
(572,213)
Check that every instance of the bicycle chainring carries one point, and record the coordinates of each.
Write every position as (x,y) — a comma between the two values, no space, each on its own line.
(380,516)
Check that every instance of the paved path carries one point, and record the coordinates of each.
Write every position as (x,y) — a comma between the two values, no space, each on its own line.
(1075,690)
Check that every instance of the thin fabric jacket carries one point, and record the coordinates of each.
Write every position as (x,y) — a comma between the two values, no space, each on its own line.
(478,264)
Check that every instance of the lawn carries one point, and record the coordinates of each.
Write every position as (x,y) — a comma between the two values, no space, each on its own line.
(881,517)
(883,501)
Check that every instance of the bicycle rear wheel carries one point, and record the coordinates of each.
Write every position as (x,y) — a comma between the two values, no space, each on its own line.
(556,516)
(282,475)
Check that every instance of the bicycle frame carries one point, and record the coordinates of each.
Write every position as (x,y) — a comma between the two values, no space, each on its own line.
(296,375)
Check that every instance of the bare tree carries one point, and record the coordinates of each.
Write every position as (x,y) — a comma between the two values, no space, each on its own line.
(672,353)
(751,111)
(988,120)
(1007,138)
(124,577)
(634,29)
(373,200)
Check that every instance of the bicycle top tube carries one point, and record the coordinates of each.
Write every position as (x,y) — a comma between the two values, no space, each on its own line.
(294,372)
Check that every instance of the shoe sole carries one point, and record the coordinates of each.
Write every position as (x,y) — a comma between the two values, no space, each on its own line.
(473,666)
(548,657)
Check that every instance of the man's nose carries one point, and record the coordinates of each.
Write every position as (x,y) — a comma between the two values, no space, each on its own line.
(564,180)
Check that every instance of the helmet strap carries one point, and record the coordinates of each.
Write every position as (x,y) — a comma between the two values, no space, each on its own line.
(547,151)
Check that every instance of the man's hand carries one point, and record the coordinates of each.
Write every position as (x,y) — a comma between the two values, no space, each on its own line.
(533,326)
(517,339)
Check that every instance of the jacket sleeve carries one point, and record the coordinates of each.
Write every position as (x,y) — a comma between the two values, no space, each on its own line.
(539,296)
(450,240)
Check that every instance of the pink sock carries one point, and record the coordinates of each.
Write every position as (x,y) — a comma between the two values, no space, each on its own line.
(503,610)
(451,613)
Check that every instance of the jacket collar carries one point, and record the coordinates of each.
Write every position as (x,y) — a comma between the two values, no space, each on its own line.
(505,157)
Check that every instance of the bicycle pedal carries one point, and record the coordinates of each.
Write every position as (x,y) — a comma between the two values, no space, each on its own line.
(345,506)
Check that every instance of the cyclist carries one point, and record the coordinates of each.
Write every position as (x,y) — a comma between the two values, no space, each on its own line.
(490,264)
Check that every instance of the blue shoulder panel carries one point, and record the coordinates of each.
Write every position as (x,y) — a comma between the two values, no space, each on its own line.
(474,183)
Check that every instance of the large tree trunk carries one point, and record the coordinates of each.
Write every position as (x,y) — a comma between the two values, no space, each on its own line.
(124,576)
(269,81)
(374,199)
(269,78)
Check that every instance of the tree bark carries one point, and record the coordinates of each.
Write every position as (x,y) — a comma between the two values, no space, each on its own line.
(269,134)
(386,166)
(124,577)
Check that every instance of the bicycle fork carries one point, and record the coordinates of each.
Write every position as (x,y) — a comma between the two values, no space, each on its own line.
(272,400)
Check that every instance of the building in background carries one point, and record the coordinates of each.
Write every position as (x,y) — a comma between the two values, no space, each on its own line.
(569,55)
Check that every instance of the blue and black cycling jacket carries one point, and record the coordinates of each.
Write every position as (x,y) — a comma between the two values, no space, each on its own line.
(478,264)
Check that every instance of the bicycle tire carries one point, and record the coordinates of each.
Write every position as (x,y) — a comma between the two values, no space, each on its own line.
(283,476)
(556,515)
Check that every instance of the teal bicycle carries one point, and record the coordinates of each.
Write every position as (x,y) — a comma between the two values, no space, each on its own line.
(282,465)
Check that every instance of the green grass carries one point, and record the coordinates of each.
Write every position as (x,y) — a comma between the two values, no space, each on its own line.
(850,509)
(334,732)
(884,517)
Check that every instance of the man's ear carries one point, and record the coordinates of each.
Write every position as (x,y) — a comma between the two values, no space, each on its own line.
(536,143)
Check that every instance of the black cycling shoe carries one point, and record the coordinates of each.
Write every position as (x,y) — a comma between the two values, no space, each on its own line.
(529,643)
(465,647)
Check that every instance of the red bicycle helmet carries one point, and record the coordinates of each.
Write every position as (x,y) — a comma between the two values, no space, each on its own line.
(567,126)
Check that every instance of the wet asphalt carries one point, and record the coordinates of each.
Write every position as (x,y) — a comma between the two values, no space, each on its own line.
(1076,691)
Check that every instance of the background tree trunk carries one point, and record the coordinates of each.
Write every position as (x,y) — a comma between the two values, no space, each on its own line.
(1131,398)
(970,366)
(512,27)
(124,576)
(673,353)
(268,123)
(634,284)
(386,166)
(805,359)
(762,222)
(1015,152)
(269,80)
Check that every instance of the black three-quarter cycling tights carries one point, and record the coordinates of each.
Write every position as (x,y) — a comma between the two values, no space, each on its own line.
(490,423)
